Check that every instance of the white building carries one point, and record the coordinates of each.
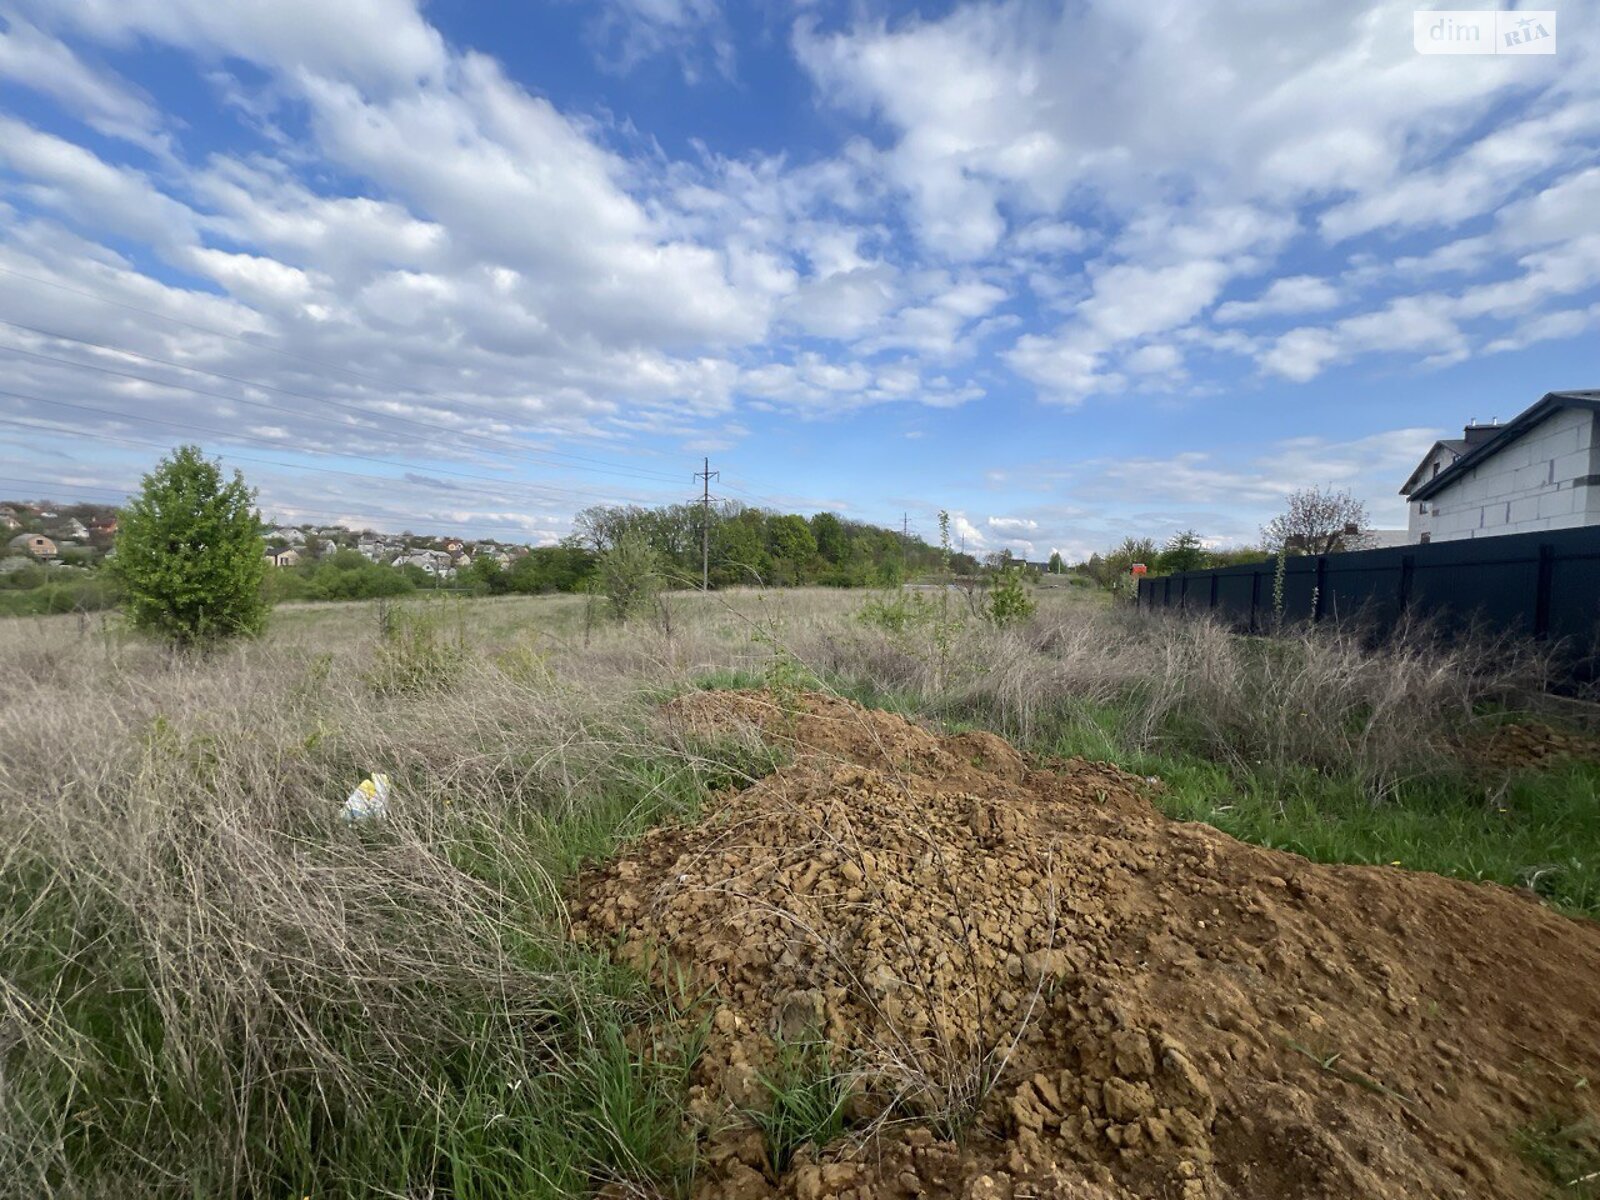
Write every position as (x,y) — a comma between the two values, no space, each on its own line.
(1541,470)
(434,562)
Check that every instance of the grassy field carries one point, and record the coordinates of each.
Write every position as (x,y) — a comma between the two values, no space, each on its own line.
(210,984)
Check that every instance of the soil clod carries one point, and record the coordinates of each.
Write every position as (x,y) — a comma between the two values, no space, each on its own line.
(1041,987)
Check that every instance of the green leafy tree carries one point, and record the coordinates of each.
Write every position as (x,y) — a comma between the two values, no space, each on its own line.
(190,554)
(1112,569)
(346,575)
(561,568)
(738,549)
(1183,553)
(630,574)
(1056,565)
(833,542)
(790,541)
(485,576)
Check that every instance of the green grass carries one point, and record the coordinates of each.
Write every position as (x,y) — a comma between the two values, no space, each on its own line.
(587,1088)
(220,989)
(1542,831)
(807,1096)
(1566,1151)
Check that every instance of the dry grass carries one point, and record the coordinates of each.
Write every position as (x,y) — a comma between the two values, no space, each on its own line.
(1323,699)
(209,984)
(210,981)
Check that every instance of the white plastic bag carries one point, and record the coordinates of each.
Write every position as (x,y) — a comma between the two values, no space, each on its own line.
(370,800)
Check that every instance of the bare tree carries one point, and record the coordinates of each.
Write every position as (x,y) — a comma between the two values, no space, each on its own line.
(1317,521)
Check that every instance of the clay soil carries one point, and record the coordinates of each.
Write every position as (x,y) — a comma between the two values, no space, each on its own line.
(1039,986)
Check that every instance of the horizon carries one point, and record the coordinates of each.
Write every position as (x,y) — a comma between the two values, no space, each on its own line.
(1069,273)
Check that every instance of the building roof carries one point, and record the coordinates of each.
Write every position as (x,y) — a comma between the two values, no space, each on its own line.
(1456,446)
(1548,405)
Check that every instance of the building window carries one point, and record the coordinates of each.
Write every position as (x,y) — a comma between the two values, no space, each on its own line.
(1426,538)
(1436,470)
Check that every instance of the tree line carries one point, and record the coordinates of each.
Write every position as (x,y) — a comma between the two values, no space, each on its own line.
(190,555)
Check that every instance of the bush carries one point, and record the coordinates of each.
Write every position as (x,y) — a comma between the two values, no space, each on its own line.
(190,554)
(346,575)
(61,592)
(898,612)
(551,569)
(415,654)
(1009,601)
(630,575)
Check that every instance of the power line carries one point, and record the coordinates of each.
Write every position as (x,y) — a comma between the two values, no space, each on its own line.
(453,401)
(139,443)
(553,491)
(500,445)
(86,487)
(124,493)
(707,474)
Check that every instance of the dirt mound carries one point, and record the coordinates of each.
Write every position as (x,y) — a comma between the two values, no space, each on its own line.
(837,728)
(1529,744)
(1041,987)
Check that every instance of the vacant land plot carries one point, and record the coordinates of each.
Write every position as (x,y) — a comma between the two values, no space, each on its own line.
(858,955)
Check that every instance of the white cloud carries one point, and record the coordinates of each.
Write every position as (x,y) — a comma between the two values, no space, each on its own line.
(1006,119)
(1291,294)
(1155,359)
(1012,525)
(1474,181)
(94,94)
(1422,326)
(1068,192)
(1565,323)
(1064,373)
(383,45)
(626,32)
(1050,238)
(1134,301)
(966,533)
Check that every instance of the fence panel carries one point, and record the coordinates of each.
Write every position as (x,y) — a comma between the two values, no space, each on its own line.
(1545,584)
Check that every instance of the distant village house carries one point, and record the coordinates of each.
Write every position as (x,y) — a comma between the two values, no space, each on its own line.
(35,544)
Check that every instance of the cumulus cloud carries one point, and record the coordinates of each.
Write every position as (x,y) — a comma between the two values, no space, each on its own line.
(415,254)
(1010,115)
(1291,294)
(102,100)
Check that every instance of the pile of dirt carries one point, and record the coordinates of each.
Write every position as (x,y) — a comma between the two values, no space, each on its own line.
(1529,744)
(1042,987)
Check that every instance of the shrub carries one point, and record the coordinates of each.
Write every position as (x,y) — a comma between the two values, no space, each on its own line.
(415,654)
(897,612)
(346,575)
(1009,601)
(190,554)
(630,575)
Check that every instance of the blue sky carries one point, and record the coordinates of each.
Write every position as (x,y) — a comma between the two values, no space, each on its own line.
(1070,271)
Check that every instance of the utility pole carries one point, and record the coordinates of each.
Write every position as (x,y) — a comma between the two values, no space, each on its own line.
(707,474)
(905,525)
